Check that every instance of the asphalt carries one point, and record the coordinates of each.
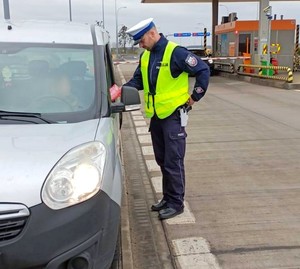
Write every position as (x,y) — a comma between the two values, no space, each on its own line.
(242,189)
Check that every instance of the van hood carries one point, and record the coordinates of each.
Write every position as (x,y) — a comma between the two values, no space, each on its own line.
(29,152)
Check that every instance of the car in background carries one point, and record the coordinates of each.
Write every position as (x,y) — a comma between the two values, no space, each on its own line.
(61,171)
(205,56)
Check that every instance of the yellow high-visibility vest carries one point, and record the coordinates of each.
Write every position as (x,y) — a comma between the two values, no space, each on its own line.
(170,92)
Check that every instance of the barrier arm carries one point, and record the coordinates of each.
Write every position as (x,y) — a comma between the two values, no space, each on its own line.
(289,71)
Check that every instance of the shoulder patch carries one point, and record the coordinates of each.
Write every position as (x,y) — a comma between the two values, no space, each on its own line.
(191,60)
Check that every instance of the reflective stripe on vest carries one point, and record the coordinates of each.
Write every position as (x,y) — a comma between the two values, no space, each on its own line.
(170,92)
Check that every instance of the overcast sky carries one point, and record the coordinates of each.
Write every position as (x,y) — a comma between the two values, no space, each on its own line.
(169,18)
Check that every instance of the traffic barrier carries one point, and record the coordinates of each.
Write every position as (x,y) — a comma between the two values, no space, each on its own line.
(230,58)
(224,67)
(289,78)
(296,55)
(265,71)
(205,39)
(265,49)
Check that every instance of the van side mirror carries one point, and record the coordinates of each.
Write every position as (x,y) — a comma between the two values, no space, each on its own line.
(130,100)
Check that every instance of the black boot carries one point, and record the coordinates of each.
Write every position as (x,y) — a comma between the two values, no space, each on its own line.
(169,212)
(160,205)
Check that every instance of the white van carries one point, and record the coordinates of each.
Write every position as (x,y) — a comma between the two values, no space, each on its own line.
(60,168)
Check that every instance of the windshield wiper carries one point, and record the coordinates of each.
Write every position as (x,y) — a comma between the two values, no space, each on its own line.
(4,113)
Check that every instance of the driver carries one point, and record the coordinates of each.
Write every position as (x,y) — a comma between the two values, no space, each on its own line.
(62,89)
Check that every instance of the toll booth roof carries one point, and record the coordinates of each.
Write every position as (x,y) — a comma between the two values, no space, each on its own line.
(199,1)
(242,26)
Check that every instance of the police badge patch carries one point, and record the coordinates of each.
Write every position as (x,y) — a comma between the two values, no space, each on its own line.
(198,90)
(191,60)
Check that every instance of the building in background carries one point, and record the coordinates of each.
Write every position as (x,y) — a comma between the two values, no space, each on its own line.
(240,38)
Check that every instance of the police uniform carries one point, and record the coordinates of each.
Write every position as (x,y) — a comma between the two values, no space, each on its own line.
(168,136)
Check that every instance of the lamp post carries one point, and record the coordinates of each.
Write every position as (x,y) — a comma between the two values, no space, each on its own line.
(6,9)
(201,24)
(203,31)
(226,8)
(117,37)
(268,12)
(103,13)
(70,10)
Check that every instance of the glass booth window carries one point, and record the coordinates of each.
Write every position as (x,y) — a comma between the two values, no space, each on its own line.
(244,43)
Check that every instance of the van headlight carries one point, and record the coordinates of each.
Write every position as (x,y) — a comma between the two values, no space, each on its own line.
(76,177)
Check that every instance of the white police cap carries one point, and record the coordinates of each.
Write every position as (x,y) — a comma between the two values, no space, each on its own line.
(137,31)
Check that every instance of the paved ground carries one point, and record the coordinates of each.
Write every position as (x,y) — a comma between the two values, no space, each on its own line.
(268,82)
(242,193)
(297,77)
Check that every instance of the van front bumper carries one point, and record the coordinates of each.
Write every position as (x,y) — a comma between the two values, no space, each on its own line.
(52,239)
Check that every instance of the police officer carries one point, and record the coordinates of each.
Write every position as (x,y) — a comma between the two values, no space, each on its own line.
(163,75)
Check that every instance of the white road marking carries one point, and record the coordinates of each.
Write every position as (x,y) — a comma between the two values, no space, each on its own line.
(187,217)
(136,113)
(194,253)
(198,261)
(123,80)
(152,166)
(142,130)
(157,184)
(140,123)
(138,118)
(191,245)
(145,139)
(147,150)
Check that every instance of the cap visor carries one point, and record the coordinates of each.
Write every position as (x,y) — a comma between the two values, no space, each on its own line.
(136,42)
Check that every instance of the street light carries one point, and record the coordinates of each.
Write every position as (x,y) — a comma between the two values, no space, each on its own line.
(103,13)
(268,12)
(6,9)
(226,8)
(70,10)
(200,23)
(117,37)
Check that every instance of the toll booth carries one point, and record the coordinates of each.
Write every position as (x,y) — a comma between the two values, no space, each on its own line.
(240,38)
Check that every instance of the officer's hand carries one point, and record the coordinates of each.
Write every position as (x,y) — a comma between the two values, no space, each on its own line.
(190,102)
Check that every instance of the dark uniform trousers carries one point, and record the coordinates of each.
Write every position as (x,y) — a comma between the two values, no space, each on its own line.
(169,142)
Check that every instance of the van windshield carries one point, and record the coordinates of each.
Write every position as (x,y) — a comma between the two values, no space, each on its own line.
(53,79)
